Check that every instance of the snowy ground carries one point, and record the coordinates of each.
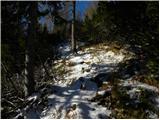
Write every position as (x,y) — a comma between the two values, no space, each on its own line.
(80,68)
(66,98)
(74,87)
(87,63)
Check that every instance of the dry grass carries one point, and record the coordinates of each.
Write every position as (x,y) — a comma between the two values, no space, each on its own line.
(69,64)
(146,79)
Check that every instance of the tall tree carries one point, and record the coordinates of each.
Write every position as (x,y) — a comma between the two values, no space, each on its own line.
(73,28)
(29,87)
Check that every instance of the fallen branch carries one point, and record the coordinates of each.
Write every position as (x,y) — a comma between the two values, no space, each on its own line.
(9,102)
(9,76)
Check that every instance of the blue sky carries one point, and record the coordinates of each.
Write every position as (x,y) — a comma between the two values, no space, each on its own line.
(81,6)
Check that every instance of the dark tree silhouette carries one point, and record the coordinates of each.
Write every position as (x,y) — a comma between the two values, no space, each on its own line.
(29,58)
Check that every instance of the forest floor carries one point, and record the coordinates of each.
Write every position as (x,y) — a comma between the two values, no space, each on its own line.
(82,88)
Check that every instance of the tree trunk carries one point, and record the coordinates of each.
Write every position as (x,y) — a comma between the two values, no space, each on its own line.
(73,28)
(29,87)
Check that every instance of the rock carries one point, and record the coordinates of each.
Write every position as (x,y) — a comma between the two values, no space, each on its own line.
(102,77)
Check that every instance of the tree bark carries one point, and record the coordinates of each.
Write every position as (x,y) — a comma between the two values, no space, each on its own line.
(29,86)
(73,28)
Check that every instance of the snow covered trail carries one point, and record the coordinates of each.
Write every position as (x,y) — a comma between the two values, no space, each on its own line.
(87,63)
(62,102)
(69,89)
(74,88)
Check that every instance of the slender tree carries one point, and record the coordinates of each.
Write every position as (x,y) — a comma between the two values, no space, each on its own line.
(29,87)
(73,28)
